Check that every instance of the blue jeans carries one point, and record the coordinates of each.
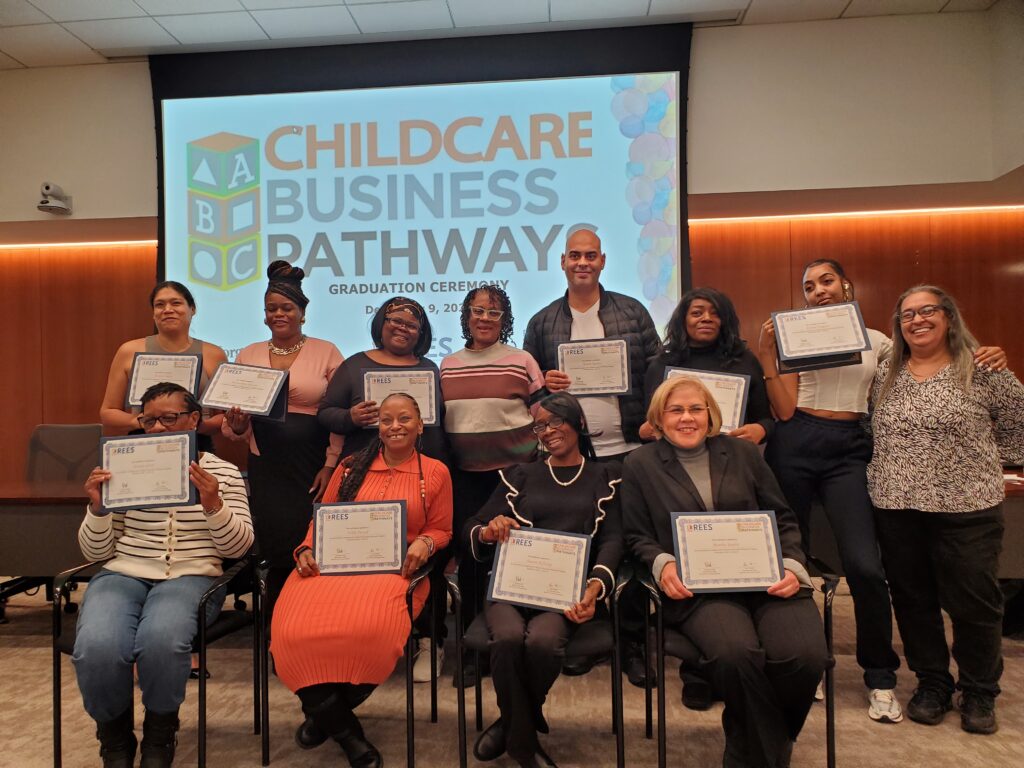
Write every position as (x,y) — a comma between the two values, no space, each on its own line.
(126,620)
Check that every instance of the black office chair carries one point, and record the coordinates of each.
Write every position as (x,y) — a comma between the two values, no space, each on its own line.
(238,578)
(674,643)
(595,639)
(62,453)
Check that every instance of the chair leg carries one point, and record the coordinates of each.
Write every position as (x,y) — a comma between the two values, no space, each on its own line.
(660,654)
(410,724)
(829,590)
(264,672)
(460,681)
(478,688)
(202,689)
(648,714)
(434,614)
(57,750)
(617,704)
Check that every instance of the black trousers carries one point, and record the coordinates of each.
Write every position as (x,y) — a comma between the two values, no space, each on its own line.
(765,656)
(471,491)
(526,648)
(826,459)
(947,561)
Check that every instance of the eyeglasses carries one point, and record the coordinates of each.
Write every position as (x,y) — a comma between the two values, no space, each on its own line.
(589,256)
(679,410)
(554,423)
(167,419)
(490,314)
(406,325)
(926,311)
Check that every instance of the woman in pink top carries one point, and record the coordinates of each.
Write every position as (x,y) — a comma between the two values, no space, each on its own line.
(290,461)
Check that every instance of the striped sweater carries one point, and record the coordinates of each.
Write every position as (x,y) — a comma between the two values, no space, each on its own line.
(175,541)
(487,398)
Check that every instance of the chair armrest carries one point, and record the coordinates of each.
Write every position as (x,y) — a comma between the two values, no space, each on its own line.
(419,576)
(625,575)
(654,592)
(245,561)
(61,580)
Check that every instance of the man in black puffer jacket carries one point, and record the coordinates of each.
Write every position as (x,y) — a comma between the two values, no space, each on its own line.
(588,311)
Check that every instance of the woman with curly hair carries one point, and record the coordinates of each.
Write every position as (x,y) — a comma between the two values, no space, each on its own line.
(488,389)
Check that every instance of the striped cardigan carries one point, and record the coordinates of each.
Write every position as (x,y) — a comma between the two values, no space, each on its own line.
(175,541)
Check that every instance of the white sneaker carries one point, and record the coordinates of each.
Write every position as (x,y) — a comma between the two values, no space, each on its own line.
(883,706)
(421,667)
(819,693)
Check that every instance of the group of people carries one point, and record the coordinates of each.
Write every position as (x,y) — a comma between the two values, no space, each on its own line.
(917,518)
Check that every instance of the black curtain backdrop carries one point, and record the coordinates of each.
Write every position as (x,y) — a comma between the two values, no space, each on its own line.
(626,50)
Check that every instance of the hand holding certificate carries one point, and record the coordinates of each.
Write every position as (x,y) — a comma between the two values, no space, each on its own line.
(359,537)
(148,470)
(820,337)
(250,388)
(596,367)
(541,569)
(727,551)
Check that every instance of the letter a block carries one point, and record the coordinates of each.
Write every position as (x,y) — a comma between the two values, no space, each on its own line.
(223,164)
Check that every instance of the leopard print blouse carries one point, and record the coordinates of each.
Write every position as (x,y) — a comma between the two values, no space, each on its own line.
(939,448)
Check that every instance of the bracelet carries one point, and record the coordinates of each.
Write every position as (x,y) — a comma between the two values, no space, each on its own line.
(209,512)
(769,378)
(428,541)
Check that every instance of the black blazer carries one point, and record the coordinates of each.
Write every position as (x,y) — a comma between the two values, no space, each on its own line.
(654,485)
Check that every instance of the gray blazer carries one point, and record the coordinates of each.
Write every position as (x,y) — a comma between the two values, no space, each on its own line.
(654,485)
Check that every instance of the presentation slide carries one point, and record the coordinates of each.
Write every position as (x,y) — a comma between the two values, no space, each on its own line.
(424,192)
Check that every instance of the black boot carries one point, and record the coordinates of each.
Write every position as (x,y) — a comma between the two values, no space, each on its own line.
(159,738)
(117,741)
(360,752)
(326,706)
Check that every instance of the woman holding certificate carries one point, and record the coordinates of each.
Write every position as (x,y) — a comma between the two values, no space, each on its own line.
(763,649)
(567,491)
(336,638)
(173,310)
(290,461)
(402,337)
(141,608)
(943,430)
(703,334)
(820,449)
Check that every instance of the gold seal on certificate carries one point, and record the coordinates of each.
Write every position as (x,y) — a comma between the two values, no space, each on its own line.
(728,389)
(149,368)
(540,569)
(727,551)
(255,390)
(420,383)
(820,337)
(353,537)
(596,366)
(148,470)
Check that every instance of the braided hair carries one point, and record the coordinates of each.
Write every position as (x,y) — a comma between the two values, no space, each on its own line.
(361,461)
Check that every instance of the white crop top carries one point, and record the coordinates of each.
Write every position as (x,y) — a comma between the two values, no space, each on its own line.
(845,388)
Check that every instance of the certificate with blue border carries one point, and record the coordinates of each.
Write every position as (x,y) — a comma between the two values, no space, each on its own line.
(539,568)
(148,471)
(251,388)
(352,537)
(727,551)
(730,391)
(820,337)
(149,368)
(421,384)
(596,366)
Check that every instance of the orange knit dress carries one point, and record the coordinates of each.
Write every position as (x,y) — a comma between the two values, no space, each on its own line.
(352,629)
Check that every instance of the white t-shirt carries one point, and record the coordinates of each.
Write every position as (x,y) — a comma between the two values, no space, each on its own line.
(602,411)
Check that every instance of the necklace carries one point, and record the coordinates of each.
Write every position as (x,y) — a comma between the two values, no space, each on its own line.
(275,350)
(583,463)
(930,370)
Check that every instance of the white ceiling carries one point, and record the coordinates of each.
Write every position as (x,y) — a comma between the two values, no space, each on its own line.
(45,33)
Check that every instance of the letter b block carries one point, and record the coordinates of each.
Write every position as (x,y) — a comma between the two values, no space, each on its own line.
(223,220)
(223,164)
(224,266)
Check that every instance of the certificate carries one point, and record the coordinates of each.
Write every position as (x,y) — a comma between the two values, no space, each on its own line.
(421,384)
(152,368)
(596,367)
(541,569)
(729,390)
(148,470)
(255,390)
(359,537)
(820,337)
(727,551)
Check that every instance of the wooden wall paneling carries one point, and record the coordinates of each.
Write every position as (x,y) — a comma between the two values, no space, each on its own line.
(979,259)
(96,299)
(882,255)
(21,385)
(747,260)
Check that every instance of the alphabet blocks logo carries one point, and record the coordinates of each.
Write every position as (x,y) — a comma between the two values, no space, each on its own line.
(224,210)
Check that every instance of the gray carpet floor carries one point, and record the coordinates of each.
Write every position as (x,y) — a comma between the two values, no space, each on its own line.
(578,711)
